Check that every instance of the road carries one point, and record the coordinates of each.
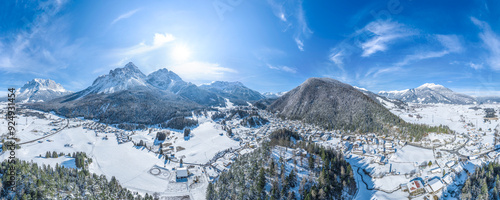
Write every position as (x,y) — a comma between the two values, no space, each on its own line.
(58,130)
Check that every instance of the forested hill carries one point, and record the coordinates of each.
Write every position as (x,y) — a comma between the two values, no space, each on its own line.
(44,182)
(286,168)
(335,105)
(484,183)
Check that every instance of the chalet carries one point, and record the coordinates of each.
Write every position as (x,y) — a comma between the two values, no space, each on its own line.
(325,137)
(404,187)
(450,163)
(358,151)
(390,150)
(434,185)
(181,173)
(457,168)
(415,187)
(448,179)
(436,170)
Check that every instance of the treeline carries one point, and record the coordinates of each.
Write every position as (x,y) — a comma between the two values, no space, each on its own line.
(218,115)
(484,183)
(45,182)
(134,107)
(259,175)
(81,159)
(179,123)
(393,125)
(254,120)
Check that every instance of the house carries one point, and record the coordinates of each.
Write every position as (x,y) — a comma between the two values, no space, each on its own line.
(358,151)
(435,185)
(181,173)
(450,163)
(448,179)
(404,187)
(457,168)
(415,187)
(436,170)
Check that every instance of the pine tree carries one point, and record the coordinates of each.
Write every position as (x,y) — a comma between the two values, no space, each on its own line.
(261,181)
(210,194)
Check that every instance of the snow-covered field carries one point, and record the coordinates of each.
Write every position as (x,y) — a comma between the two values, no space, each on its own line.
(134,167)
(205,143)
(145,171)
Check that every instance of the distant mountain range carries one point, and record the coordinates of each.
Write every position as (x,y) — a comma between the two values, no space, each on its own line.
(386,102)
(429,93)
(273,95)
(38,90)
(488,99)
(236,92)
(126,95)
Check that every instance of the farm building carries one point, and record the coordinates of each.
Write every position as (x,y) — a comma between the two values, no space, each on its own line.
(181,173)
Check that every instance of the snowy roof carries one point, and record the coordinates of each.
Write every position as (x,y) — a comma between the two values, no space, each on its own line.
(181,172)
(415,185)
(448,179)
(435,184)
(450,163)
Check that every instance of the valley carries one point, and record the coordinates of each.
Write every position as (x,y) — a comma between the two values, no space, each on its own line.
(384,164)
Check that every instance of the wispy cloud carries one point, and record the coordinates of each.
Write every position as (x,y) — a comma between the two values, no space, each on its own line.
(159,40)
(303,31)
(32,48)
(375,72)
(451,44)
(292,14)
(491,41)
(125,15)
(337,56)
(476,66)
(202,72)
(383,34)
(282,68)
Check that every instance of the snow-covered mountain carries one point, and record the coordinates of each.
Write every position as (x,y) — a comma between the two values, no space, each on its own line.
(126,95)
(40,90)
(488,99)
(119,79)
(273,95)
(386,102)
(167,80)
(234,91)
(429,93)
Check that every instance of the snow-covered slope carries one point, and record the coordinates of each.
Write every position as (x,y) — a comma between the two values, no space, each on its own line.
(488,99)
(386,102)
(164,79)
(234,91)
(429,93)
(40,90)
(128,77)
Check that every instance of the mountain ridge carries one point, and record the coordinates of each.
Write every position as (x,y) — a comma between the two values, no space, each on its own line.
(429,93)
(40,90)
(333,104)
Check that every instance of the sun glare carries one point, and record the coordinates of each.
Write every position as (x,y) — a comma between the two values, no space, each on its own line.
(181,53)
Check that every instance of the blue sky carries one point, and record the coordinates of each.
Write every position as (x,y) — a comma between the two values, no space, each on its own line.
(269,45)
